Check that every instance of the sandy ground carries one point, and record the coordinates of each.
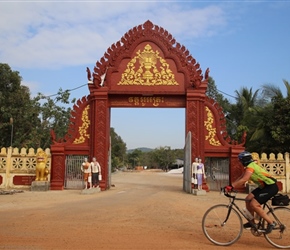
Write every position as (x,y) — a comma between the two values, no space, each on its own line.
(145,210)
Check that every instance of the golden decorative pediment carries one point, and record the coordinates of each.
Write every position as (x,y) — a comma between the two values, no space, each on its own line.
(148,68)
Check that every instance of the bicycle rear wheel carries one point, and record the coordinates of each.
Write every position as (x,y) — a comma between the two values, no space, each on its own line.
(280,236)
(219,231)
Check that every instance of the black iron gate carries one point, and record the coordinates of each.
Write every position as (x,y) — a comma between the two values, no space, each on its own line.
(217,172)
(73,173)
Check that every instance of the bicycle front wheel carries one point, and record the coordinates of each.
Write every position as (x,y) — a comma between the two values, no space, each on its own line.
(280,236)
(220,230)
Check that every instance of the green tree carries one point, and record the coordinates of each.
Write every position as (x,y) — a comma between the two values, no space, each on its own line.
(164,157)
(278,117)
(27,122)
(260,140)
(270,91)
(271,131)
(118,150)
(242,113)
(52,115)
(134,158)
(18,115)
(280,123)
(213,93)
(246,103)
(146,159)
(178,153)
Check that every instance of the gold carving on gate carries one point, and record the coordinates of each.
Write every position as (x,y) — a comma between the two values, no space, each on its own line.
(83,130)
(148,68)
(209,127)
(142,101)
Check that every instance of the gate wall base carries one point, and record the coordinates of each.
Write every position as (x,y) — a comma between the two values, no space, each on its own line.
(91,191)
(198,192)
(57,185)
(40,185)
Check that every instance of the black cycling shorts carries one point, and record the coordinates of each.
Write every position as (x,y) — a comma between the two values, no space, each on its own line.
(262,195)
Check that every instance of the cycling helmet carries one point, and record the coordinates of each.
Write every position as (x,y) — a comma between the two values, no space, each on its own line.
(245,158)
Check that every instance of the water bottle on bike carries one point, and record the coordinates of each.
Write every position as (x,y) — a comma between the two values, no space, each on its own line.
(248,215)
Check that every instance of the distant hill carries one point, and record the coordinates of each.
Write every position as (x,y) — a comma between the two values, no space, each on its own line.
(145,150)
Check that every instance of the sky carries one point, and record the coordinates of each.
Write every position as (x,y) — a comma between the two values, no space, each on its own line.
(50,43)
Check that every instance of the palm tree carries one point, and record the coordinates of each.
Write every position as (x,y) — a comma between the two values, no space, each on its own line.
(264,117)
(265,133)
(243,111)
(246,101)
(270,90)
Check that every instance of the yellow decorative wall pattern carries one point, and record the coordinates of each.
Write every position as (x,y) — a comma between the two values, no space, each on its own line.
(18,166)
(83,130)
(209,127)
(277,165)
(148,68)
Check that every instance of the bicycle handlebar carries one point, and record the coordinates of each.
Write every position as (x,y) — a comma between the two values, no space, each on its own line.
(234,196)
(228,194)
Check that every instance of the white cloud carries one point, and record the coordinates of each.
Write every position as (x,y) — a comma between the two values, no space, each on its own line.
(55,35)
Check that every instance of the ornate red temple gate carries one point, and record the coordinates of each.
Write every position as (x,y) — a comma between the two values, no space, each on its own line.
(146,68)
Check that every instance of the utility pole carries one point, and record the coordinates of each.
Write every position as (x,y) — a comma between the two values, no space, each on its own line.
(11,122)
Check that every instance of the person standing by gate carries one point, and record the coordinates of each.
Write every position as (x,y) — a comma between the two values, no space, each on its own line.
(193,172)
(87,170)
(200,174)
(96,171)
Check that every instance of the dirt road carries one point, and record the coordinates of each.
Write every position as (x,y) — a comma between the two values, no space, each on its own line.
(145,210)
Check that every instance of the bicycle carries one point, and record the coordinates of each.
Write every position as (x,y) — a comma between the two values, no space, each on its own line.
(222,224)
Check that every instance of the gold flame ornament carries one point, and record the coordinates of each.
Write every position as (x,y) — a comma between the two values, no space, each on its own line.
(148,68)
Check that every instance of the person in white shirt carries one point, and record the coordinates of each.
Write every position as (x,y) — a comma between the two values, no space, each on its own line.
(87,170)
(96,171)
(193,172)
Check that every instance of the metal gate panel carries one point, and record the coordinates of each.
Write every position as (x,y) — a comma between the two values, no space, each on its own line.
(73,173)
(109,165)
(187,165)
(217,172)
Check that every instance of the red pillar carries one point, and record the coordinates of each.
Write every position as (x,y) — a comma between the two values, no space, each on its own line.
(57,167)
(100,132)
(195,123)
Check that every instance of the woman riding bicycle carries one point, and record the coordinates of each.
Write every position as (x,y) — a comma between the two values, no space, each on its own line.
(267,188)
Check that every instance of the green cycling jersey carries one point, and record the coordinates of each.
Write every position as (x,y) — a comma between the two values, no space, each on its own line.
(260,176)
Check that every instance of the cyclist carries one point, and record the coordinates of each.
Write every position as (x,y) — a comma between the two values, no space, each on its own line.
(267,188)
